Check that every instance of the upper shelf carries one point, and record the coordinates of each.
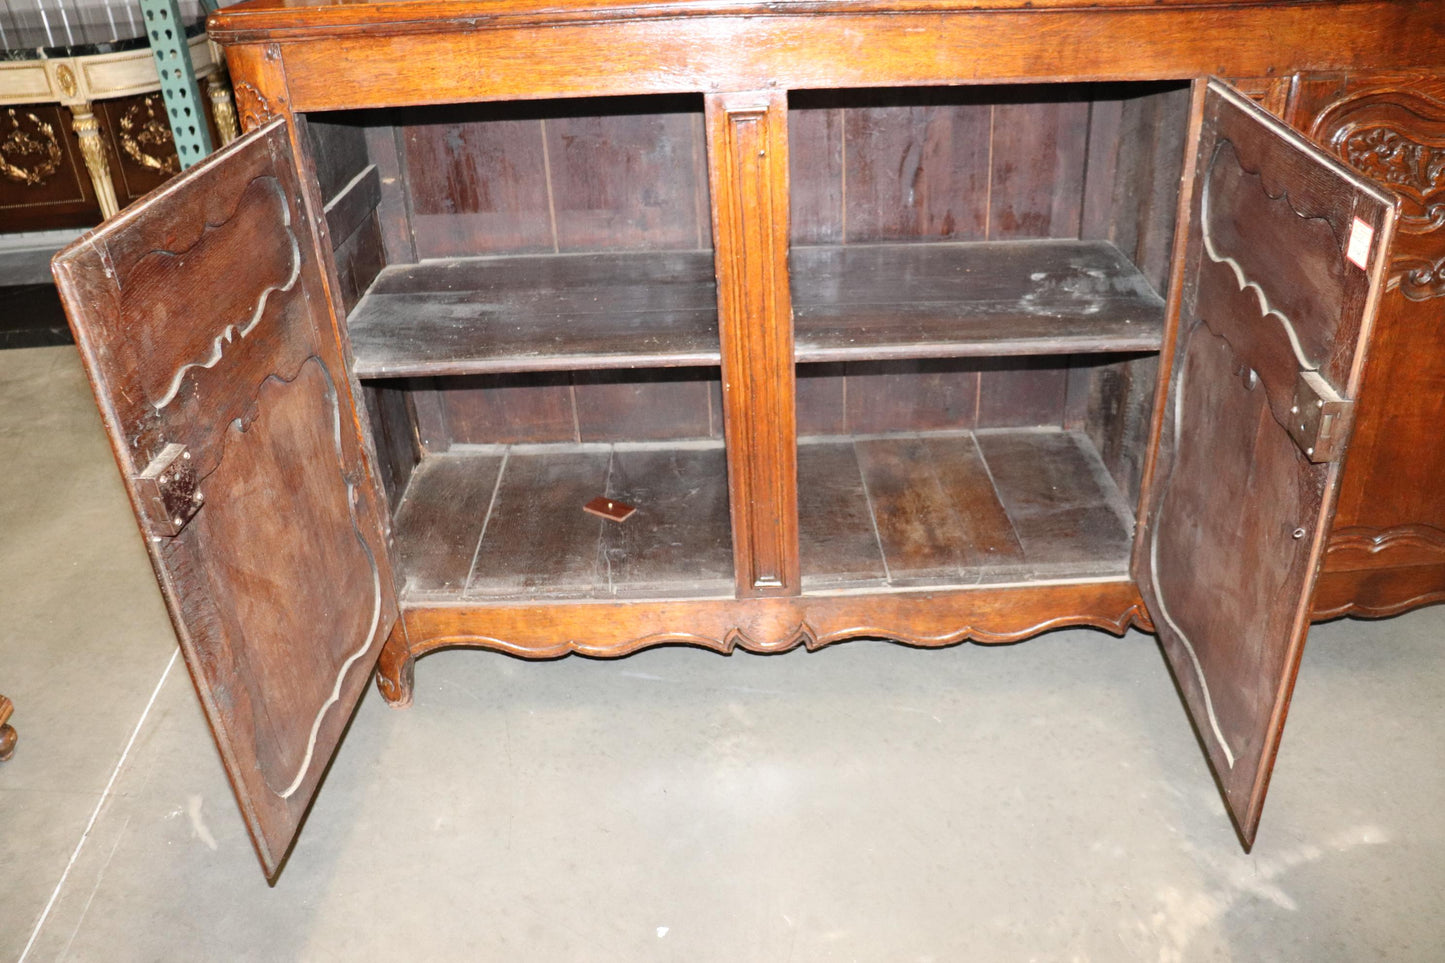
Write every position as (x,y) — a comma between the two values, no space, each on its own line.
(984,298)
(854,302)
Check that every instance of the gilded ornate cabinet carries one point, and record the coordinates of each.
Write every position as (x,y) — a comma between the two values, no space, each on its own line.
(892,318)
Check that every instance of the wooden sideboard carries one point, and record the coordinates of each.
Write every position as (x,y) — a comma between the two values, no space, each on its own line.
(909,319)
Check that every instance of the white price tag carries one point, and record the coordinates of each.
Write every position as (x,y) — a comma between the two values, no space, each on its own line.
(1358,250)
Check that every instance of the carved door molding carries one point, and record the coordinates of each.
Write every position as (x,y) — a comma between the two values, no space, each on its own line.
(203,324)
(1283,271)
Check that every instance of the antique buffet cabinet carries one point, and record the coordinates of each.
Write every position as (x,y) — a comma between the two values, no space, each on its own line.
(926,320)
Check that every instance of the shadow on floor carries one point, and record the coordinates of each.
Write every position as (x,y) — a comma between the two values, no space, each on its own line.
(31,317)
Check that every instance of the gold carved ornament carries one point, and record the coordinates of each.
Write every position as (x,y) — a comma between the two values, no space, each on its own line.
(66,78)
(29,157)
(147,139)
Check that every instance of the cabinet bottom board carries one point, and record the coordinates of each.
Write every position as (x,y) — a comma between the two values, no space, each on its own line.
(896,511)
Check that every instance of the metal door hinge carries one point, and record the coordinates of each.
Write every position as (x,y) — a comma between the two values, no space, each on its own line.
(1319,418)
(166,491)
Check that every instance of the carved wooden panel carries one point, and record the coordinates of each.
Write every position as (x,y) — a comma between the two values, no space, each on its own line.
(1284,268)
(1391,516)
(200,316)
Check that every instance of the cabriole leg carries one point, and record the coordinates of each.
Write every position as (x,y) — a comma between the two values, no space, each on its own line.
(395,669)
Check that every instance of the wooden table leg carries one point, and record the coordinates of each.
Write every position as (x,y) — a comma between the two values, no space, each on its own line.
(92,148)
(7,732)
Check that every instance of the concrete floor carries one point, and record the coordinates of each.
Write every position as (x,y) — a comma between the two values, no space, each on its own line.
(1045,801)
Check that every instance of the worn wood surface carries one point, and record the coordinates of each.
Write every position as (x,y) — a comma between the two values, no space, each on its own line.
(508,522)
(441,519)
(510,314)
(1237,511)
(537,541)
(202,320)
(925,618)
(958,508)
(383,54)
(853,302)
(310,55)
(747,137)
(1391,516)
(952,300)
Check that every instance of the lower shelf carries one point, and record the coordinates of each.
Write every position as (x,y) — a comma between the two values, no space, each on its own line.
(875,512)
(506,522)
(958,508)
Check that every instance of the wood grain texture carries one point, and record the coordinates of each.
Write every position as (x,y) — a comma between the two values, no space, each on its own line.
(477,182)
(250,379)
(679,541)
(916,168)
(440,521)
(627,180)
(1037,168)
(747,136)
(508,522)
(1063,508)
(925,619)
(538,542)
(434,54)
(1377,592)
(1239,512)
(635,309)
(955,508)
(1393,127)
(838,543)
(644,405)
(954,300)
(503,409)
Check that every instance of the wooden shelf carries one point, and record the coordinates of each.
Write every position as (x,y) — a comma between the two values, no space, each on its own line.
(958,508)
(893,511)
(862,302)
(507,522)
(547,312)
(657,309)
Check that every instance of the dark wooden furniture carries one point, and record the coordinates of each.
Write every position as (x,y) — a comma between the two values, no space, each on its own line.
(894,318)
(102,87)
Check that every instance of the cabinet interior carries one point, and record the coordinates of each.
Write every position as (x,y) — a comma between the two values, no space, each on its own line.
(977,277)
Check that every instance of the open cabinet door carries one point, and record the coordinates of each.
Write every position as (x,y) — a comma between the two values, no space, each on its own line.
(1283,269)
(202,319)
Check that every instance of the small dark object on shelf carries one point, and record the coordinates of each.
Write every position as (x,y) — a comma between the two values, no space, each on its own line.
(609,508)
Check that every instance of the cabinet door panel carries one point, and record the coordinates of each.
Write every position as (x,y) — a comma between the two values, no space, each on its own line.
(1282,275)
(203,322)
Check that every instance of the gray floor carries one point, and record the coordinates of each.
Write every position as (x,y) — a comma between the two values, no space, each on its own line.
(1044,801)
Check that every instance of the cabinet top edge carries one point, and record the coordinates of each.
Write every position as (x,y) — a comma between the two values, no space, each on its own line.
(260,20)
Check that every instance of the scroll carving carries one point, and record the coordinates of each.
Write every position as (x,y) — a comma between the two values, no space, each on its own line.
(1423,544)
(146,138)
(1419,279)
(1397,137)
(29,154)
(252,106)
